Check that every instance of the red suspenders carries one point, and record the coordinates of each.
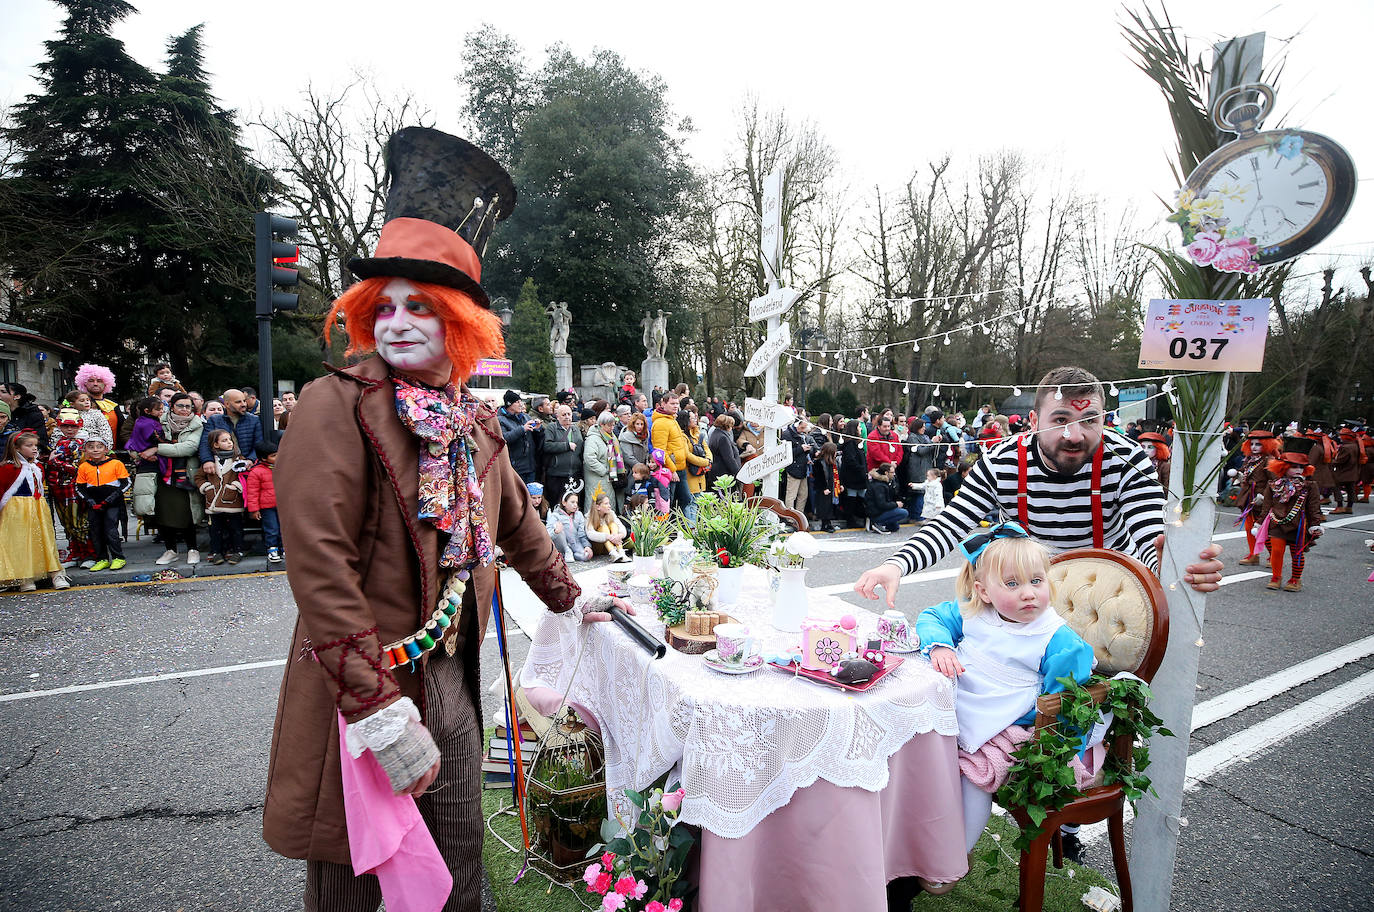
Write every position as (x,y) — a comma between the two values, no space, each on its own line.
(1023,496)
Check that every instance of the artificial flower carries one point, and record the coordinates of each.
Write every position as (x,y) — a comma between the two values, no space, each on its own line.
(625,886)
(1236,255)
(674,905)
(608,860)
(1204,248)
(673,800)
(655,906)
(1290,147)
(611,902)
(803,545)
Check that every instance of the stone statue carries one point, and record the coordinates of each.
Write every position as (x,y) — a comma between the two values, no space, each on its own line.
(560,321)
(655,334)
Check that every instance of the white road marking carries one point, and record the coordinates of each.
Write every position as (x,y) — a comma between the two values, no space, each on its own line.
(1256,692)
(1329,524)
(1246,743)
(145,679)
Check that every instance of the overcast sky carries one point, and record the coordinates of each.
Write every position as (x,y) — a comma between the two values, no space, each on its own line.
(890,85)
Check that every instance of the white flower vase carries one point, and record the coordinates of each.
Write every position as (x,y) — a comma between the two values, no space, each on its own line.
(647,565)
(790,606)
(728,582)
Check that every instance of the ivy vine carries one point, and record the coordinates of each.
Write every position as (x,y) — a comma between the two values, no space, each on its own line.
(1041,780)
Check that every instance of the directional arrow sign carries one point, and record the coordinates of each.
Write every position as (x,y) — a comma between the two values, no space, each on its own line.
(772,348)
(772,461)
(768,414)
(777,302)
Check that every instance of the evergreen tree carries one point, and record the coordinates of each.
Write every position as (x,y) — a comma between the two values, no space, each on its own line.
(114,221)
(527,346)
(597,160)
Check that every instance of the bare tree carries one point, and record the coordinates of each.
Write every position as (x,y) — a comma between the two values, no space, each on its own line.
(332,162)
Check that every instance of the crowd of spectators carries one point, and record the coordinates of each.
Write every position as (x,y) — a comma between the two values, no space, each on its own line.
(172,459)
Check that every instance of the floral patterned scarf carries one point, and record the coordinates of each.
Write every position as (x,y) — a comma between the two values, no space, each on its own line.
(450,497)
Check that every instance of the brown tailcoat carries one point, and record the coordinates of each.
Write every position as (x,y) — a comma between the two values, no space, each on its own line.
(364,572)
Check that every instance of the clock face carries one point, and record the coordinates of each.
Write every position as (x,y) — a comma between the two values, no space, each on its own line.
(1286,189)
(1269,196)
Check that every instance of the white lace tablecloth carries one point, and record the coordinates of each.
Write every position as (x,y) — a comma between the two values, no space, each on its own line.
(740,745)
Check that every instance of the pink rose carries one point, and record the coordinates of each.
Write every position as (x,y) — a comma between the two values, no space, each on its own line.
(673,800)
(590,875)
(655,906)
(608,860)
(1204,248)
(611,902)
(625,886)
(1236,255)
(674,905)
(601,885)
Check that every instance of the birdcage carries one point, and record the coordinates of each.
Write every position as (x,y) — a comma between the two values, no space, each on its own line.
(565,797)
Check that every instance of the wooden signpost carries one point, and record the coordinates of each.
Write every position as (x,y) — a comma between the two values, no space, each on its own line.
(773,461)
(770,307)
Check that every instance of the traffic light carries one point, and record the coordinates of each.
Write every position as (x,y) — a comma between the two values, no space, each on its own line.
(276,262)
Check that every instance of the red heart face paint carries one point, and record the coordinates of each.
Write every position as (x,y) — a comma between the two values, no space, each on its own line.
(1080,404)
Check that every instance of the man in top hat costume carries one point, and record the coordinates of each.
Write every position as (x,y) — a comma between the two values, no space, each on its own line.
(1347,470)
(1292,512)
(1251,479)
(394,486)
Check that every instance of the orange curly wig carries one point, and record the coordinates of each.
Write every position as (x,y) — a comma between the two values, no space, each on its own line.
(471,332)
(1279,467)
(1269,446)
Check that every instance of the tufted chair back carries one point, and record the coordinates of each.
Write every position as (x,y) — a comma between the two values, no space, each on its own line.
(1115,603)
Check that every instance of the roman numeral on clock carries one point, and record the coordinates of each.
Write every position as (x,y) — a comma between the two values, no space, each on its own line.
(1308,203)
(1308,184)
(1232,174)
(1305,163)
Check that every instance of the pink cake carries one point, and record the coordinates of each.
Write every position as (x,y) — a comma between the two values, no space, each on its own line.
(825,642)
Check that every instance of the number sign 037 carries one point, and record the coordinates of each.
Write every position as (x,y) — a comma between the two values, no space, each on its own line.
(1205,335)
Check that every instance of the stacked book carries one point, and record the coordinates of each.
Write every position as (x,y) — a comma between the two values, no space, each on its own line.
(496,765)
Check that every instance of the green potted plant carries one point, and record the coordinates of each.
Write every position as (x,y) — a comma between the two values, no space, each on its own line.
(566,797)
(647,534)
(729,533)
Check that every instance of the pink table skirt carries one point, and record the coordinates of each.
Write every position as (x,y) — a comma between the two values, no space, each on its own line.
(832,848)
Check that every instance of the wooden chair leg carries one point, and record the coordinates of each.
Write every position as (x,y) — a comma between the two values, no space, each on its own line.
(1116,829)
(1033,875)
(1057,848)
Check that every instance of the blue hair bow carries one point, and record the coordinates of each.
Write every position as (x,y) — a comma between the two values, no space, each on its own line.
(972,547)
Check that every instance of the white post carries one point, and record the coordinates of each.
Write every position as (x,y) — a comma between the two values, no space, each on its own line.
(1154,835)
(772,257)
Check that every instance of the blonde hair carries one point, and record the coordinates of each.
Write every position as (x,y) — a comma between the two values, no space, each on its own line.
(1003,558)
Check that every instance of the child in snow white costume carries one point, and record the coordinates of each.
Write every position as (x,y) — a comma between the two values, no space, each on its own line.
(392,527)
(28,544)
(1005,646)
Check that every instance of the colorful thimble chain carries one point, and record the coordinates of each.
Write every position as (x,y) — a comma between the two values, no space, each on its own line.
(408,650)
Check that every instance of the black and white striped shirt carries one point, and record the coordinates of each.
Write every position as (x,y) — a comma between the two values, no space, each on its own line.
(1059,507)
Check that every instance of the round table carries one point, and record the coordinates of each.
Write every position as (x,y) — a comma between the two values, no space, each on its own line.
(808,796)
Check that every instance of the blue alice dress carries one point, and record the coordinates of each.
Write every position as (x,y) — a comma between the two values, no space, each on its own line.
(1006,665)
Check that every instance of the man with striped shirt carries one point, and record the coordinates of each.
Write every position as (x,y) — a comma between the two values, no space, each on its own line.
(1067,484)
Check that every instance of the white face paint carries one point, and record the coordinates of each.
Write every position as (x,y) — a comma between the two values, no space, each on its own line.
(409,334)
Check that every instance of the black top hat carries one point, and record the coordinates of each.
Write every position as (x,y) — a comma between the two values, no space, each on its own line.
(1301,445)
(444,197)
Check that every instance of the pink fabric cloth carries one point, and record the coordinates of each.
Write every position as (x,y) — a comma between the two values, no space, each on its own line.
(988,766)
(387,837)
(836,848)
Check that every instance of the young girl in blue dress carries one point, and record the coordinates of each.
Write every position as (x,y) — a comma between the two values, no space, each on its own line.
(1004,646)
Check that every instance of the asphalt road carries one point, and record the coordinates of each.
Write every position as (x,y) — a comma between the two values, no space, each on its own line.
(148,795)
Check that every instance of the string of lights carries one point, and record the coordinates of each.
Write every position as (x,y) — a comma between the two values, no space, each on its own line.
(986,325)
(938,385)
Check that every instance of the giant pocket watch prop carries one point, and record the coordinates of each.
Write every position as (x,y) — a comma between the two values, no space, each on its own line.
(1264,197)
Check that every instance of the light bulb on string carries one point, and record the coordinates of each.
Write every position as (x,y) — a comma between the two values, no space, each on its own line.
(824,371)
(946,342)
(1058,392)
(906,389)
(1114,391)
(853,378)
(1016,390)
(936,392)
(872,379)
(1066,431)
(915,347)
(968,384)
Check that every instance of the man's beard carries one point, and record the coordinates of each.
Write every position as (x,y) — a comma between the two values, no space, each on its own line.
(1066,462)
